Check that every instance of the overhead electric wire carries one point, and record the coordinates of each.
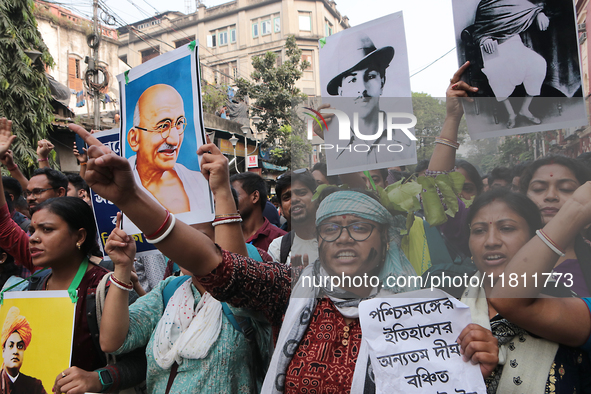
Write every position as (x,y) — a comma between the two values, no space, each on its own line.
(433,62)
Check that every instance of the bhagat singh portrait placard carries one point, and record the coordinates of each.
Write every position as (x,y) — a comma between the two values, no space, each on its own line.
(161,130)
(364,75)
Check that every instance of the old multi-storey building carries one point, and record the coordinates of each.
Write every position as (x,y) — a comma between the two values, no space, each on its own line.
(66,35)
(231,34)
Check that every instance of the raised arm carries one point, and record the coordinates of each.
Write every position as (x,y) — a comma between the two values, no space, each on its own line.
(563,320)
(111,177)
(15,172)
(12,238)
(115,318)
(44,147)
(214,167)
(444,156)
(82,158)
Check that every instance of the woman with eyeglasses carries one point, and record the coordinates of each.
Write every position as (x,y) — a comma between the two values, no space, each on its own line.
(319,331)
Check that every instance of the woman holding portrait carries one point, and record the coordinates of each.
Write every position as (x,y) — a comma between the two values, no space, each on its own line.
(321,330)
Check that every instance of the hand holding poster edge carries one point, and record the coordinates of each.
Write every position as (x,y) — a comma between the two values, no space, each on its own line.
(479,346)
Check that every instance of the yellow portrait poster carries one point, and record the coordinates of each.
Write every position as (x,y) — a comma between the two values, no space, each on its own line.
(37,332)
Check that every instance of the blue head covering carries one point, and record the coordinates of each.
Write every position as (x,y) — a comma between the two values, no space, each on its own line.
(354,203)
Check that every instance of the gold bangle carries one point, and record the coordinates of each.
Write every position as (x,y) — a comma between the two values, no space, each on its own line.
(83,164)
(225,215)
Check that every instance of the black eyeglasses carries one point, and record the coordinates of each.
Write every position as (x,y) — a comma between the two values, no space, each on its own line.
(37,192)
(298,171)
(358,231)
(165,126)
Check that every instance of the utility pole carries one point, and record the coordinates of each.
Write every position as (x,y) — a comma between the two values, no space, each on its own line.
(95,55)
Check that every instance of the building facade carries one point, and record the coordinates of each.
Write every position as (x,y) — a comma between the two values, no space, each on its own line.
(231,34)
(66,35)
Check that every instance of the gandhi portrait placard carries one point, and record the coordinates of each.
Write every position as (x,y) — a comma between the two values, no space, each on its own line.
(161,130)
(364,76)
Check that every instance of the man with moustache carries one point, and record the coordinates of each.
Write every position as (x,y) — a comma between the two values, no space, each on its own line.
(295,190)
(16,337)
(156,138)
(360,79)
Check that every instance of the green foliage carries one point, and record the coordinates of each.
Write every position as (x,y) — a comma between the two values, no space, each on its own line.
(214,97)
(25,97)
(296,155)
(430,113)
(274,94)
(439,196)
(484,154)
(512,149)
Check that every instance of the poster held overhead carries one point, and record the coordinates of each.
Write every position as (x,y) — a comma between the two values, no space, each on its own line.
(524,60)
(364,76)
(162,128)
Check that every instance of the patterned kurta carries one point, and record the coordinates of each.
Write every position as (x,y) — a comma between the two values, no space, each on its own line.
(224,370)
(326,357)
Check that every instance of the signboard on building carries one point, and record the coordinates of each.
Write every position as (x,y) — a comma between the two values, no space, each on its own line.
(253,161)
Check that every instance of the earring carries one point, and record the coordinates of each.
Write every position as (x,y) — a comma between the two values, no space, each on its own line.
(78,246)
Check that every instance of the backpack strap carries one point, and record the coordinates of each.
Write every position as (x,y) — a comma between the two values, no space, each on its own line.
(286,244)
(171,287)
(253,253)
(241,324)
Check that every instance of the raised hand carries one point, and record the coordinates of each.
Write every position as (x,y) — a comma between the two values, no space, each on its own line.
(457,88)
(479,346)
(8,160)
(327,117)
(82,157)
(108,174)
(43,148)
(120,247)
(6,137)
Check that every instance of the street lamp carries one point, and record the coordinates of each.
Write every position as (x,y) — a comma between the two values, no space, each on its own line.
(245,130)
(234,141)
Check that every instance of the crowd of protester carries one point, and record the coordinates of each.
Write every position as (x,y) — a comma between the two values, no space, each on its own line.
(220,308)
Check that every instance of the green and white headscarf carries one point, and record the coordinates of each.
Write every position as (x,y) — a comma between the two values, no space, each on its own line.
(354,203)
(304,298)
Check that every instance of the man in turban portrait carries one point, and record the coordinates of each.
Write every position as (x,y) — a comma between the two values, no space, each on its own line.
(16,337)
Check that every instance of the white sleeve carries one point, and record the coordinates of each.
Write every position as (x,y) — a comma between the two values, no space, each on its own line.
(275,249)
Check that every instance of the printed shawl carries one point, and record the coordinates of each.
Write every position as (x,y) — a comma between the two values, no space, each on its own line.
(304,298)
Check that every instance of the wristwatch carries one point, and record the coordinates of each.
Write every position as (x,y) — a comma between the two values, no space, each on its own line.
(105,378)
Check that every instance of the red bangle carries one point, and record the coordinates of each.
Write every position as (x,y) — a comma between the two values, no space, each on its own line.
(155,233)
(13,168)
(121,284)
(226,218)
(40,160)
